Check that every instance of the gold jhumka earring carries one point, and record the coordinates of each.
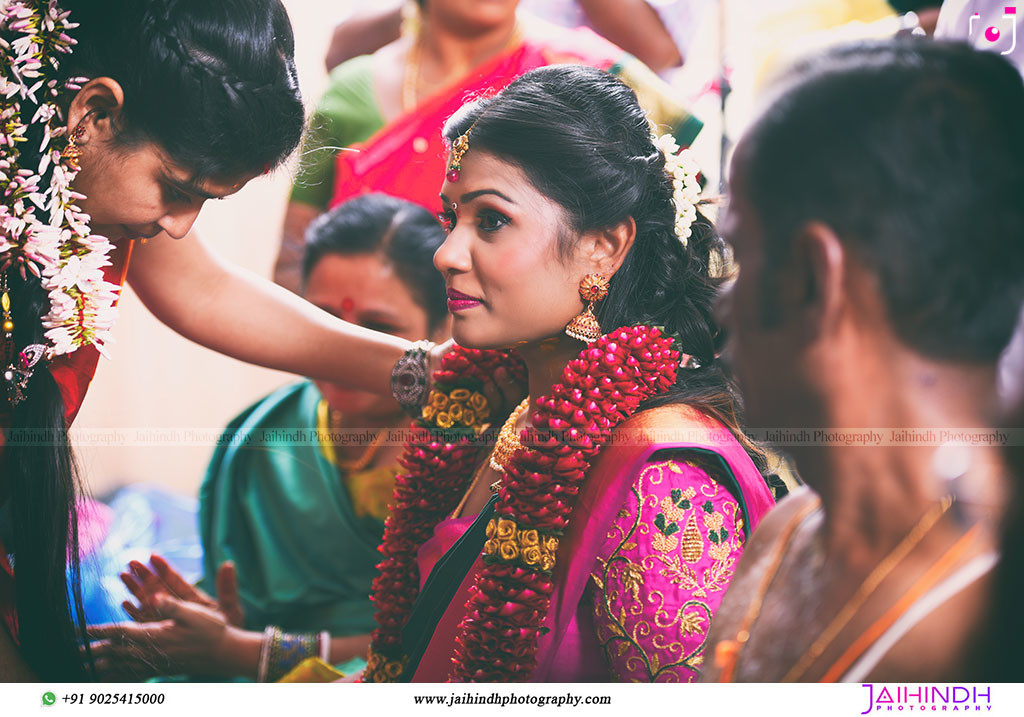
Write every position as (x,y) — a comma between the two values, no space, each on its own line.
(16,367)
(72,153)
(584,326)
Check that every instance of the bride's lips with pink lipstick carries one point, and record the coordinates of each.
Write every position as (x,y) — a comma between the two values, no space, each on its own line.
(457,301)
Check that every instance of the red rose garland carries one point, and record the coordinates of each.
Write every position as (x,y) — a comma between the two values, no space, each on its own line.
(599,390)
(498,636)
(438,464)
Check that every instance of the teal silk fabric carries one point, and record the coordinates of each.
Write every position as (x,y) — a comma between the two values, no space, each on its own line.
(273,504)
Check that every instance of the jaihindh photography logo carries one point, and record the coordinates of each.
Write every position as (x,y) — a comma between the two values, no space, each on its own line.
(927,698)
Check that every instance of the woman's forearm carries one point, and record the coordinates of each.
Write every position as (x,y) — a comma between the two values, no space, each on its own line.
(241,651)
(344,649)
(244,316)
(240,654)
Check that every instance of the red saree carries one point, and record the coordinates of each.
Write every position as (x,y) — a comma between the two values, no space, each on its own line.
(406,158)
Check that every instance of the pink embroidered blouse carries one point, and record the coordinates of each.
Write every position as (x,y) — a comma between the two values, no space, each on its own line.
(660,573)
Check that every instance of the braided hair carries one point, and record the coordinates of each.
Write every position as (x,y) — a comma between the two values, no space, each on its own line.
(213,84)
(583,140)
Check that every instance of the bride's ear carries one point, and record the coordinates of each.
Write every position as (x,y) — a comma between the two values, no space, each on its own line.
(605,249)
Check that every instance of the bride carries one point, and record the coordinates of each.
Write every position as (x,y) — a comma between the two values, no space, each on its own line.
(595,538)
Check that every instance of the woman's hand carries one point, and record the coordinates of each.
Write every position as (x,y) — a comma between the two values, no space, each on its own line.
(434,357)
(186,638)
(504,392)
(145,584)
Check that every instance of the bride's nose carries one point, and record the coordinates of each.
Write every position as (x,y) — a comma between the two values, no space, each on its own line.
(452,257)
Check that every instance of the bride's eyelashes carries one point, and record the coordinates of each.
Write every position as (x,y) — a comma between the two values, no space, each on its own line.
(447,218)
(491,220)
(487,220)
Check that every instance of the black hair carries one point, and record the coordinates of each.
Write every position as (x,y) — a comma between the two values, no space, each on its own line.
(406,234)
(912,152)
(213,84)
(583,140)
(41,485)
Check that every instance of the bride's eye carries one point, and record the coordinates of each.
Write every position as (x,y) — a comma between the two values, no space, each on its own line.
(447,219)
(491,221)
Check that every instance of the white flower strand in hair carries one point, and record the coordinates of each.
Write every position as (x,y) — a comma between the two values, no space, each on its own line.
(683,169)
(42,230)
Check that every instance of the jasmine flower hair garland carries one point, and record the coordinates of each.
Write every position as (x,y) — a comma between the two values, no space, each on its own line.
(42,230)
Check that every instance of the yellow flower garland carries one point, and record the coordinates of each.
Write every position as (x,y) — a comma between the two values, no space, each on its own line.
(508,542)
(458,407)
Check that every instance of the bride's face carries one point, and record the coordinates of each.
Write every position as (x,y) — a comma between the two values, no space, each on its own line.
(508,284)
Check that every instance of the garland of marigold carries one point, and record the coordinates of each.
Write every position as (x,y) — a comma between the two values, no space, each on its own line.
(497,640)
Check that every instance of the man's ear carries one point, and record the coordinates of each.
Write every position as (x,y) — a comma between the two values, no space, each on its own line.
(815,281)
(96,108)
(605,249)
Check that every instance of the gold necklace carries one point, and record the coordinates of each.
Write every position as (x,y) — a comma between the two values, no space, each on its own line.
(508,440)
(364,460)
(469,491)
(326,418)
(411,77)
(867,588)
(727,652)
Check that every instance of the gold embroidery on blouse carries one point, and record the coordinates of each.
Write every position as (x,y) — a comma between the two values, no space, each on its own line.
(670,626)
(693,543)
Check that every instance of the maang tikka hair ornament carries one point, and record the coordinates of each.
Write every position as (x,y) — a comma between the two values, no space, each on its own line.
(459,148)
(584,326)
